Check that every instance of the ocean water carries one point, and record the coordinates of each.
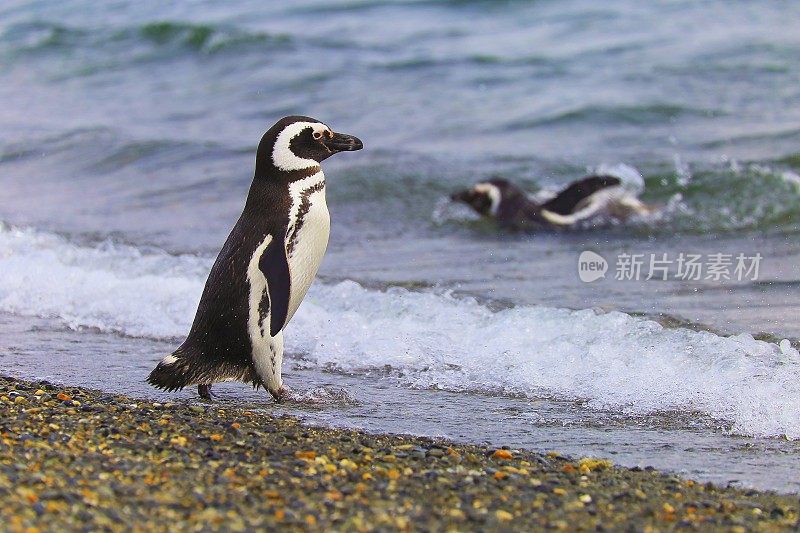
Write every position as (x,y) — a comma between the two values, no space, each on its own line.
(127,138)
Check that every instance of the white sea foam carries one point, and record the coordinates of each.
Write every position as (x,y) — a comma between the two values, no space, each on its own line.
(611,361)
(630,177)
(109,287)
(792,177)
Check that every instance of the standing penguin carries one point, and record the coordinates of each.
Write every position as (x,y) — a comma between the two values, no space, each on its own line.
(265,267)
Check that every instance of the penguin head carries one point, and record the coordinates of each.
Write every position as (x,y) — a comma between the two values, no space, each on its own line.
(298,143)
(486,197)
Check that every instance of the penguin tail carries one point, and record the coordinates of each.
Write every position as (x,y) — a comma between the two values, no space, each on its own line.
(171,373)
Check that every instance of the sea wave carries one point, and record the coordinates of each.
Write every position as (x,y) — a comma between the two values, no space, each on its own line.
(746,196)
(105,151)
(655,113)
(43,37)
(730,197)
(429,339)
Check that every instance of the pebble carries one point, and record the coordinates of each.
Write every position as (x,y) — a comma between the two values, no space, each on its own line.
(174,466)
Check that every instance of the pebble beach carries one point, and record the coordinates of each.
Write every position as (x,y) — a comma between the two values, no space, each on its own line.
(78,459)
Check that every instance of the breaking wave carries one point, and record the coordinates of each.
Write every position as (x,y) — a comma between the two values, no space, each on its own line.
(429,339)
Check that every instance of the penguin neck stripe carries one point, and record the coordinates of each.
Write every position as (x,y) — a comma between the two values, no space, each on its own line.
(300,210)
(493,192)
(296,190)
(282,156)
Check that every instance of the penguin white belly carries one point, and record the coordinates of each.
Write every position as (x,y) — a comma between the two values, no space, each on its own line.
(310,243)
(267,351)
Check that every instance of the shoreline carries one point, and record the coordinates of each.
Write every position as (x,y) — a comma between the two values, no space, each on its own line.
(75,458)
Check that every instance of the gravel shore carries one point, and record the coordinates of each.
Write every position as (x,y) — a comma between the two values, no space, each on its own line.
(76,459)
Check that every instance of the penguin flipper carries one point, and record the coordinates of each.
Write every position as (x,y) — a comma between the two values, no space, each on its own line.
(578,192)
(275,266)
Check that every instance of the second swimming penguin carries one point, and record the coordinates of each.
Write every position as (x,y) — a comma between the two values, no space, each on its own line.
(599,195)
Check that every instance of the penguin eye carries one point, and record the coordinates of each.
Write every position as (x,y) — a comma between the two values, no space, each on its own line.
(317,135)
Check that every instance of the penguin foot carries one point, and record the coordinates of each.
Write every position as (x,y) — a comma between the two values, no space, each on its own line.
(280,395)
(205,392)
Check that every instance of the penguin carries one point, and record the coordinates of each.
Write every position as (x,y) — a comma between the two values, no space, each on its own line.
(589,197)
(264,268)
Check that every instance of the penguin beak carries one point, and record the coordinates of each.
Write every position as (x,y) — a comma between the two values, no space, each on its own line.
(341,142)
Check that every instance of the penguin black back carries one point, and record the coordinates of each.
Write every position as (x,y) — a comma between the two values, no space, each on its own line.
(568,199)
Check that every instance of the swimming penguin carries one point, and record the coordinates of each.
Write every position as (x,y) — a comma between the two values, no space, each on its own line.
(587,198)
(265,267)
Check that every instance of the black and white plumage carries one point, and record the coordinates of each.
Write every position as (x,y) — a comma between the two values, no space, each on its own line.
(585,199)
(264,268)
